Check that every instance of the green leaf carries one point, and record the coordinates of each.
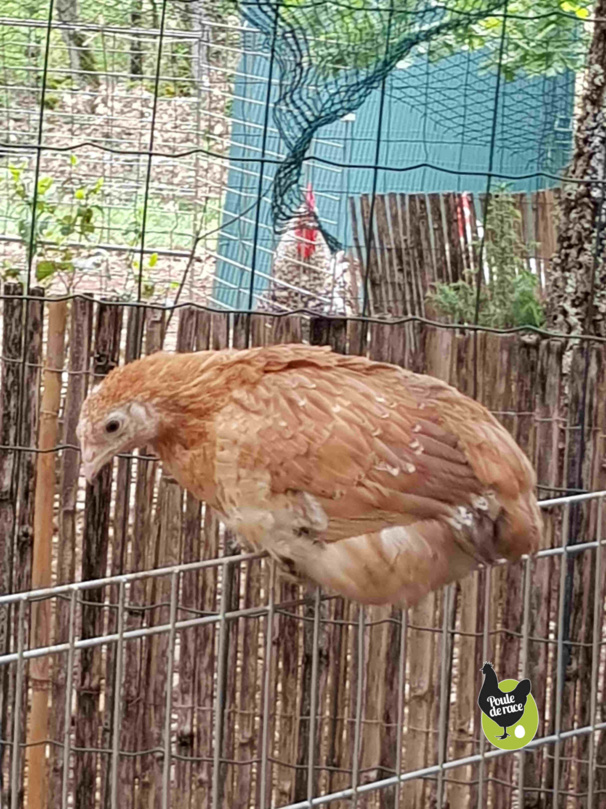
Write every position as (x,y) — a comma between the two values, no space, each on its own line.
(73,160)
(45,269)
(11,273)
(80,193)
(153,260)
(491,22)
(573,8)
(44,224)
(44,183)
(147,288)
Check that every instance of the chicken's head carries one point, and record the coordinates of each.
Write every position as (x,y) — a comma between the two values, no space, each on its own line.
(108,426)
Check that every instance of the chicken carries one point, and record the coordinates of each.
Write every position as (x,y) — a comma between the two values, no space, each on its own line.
(375,482)
(305,274)
(504,708)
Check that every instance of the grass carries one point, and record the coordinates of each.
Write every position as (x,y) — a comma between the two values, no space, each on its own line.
(166,228)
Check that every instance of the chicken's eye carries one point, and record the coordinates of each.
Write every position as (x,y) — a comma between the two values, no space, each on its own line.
(112,426)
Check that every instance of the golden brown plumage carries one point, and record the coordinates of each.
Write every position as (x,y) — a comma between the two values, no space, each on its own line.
(371,480)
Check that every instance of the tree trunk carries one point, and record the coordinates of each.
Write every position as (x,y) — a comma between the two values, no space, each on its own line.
(81,57)
(578,272)
(196,16)
(136,45)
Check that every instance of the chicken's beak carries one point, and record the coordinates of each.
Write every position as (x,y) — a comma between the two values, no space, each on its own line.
(89,470)
(92,465)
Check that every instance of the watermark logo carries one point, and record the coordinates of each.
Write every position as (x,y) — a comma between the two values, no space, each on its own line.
(510,718)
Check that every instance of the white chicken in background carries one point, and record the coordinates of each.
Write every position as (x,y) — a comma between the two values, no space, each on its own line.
(305,274)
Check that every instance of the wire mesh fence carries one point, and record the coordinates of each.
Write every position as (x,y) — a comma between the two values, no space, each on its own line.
(172,670)
(151,149)
(253,159)
(460,770)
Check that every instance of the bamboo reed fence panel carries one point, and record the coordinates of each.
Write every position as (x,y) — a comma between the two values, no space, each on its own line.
(421,239)
(11,397)
(41,562)
(316,695)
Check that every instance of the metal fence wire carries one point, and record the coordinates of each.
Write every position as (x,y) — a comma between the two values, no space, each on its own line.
(190,132)
(145,661)
(370,786)
(199,175)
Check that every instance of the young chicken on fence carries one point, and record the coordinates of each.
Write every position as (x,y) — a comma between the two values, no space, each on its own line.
(373,481)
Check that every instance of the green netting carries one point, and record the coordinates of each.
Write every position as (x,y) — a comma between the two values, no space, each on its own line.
(330,56)
(194,113)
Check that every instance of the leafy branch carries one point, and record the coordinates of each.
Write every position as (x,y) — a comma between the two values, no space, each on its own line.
(510,297)
(542,37)
(59,217)
(138,272)
(66,221)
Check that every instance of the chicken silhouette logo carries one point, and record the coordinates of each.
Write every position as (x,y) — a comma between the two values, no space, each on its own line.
(509,713)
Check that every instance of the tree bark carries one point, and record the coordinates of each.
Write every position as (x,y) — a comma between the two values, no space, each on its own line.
(577,299)
(136,45)
(81,58)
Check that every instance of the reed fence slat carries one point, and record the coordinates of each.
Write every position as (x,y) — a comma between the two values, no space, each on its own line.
(191,534)
(119,548)
(286,653)
(438,241)
(43,484)
(80,330)
(12,339)
(205,636)
(517,370)
(309,728)
(132,771)
(247,697)
(24,546)
(30,408)
(94,565)
(230,583)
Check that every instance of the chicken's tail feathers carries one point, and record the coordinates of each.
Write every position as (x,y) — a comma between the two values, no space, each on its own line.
(519,527)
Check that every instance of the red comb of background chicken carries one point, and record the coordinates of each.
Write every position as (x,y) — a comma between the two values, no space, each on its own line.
(307,232)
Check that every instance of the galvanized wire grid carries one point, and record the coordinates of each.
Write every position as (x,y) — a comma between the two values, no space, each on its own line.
(154,119)
(176,149)
(160,139)
(179,620)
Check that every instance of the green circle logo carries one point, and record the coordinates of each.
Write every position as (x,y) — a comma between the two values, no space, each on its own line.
(510,718)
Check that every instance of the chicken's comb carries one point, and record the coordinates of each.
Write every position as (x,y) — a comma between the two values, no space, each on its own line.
(488,663)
